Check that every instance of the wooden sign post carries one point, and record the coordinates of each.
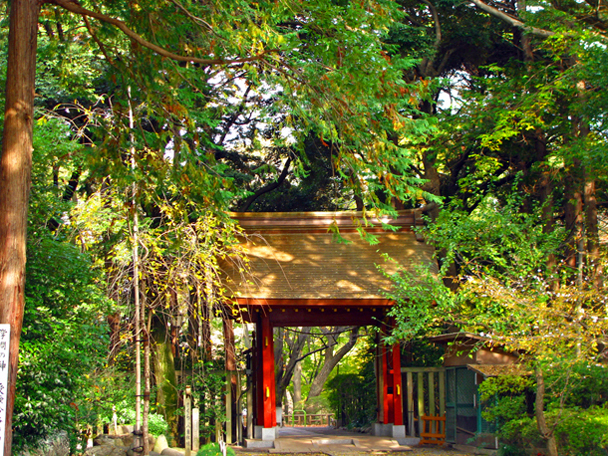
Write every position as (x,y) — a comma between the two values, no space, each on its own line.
(196,436)
(5,337)
(188,418)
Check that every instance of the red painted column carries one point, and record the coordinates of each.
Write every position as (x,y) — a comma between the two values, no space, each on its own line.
(259,377)
(386,397)
(265,388)
(397,386)
(379,368)
(392,391)
(255,378)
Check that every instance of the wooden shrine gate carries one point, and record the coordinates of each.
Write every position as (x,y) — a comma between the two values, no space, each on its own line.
(303,275)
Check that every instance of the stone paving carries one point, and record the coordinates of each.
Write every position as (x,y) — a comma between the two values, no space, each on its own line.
(334,442)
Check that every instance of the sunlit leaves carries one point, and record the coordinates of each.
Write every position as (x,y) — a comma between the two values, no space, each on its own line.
(506,290)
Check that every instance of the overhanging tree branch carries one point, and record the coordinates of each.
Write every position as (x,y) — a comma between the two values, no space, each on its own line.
(511,20)
(267,188)
(74,7)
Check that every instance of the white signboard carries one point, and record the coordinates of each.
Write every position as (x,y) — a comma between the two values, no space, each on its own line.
(5,337)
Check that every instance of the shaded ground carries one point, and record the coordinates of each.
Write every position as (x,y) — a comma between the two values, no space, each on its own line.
(308,441)
(415,451)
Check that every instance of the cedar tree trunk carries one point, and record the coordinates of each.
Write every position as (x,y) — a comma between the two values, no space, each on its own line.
(15,179)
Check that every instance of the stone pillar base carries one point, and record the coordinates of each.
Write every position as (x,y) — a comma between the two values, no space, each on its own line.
(389,430)
(262,433)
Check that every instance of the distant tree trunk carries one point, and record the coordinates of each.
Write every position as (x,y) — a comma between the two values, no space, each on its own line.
(545,185)
(15,181)
(231,377)
(279,363)
(330,360)
(539,411)
(296,345)
(297,384)
(206,309)
(592,233)
(147,377)
(115,342)
(573,214)
(166,379)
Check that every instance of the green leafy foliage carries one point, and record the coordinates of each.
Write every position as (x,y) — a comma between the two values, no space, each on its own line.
(505,398)
(213,449)
(64,336)
(125,413)
(579,432)
(506,291)
(352,397)
(208,389)
(580,383)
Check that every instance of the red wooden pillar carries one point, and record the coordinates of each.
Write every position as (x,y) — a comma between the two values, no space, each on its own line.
(392,387)
(379,369)
(397,386)
(266,415)
(387,387)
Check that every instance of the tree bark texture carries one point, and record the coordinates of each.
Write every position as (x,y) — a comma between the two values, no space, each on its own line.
(592,233)
(297,384)
(573,213)
(296,345)
(539,411)
(15,180)
(330,360)
(279,362)
(166,381)
(147,377)
(231,374)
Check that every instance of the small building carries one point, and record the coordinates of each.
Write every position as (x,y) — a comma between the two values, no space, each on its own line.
(470,359)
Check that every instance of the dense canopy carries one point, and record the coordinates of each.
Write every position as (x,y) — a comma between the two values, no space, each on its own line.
(131,129)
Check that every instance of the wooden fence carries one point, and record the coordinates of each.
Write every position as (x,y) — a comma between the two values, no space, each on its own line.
(424,395)
(304,419)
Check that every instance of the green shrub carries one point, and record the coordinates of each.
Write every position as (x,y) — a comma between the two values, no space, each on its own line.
(585,385)
(578,432)
(511,450)
(352,397)
(64,340)
(583,432)
(208,390)
(213,449)
(125,412)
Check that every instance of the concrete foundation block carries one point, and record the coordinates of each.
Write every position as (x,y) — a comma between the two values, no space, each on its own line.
(398,431)
(259,444)
(262,433)
(388,430)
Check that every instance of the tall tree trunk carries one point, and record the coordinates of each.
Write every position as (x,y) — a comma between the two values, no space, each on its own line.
(539,411)
(592,233)
(138,327)
(573,213)
(297,384)
(545,190)
(147,377)
(231,378)
(166,379)
(15,181)
(279,363)
(296,345)
(330,361)
(115,342)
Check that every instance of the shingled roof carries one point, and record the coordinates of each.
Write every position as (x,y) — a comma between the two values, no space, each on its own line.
(293,256)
